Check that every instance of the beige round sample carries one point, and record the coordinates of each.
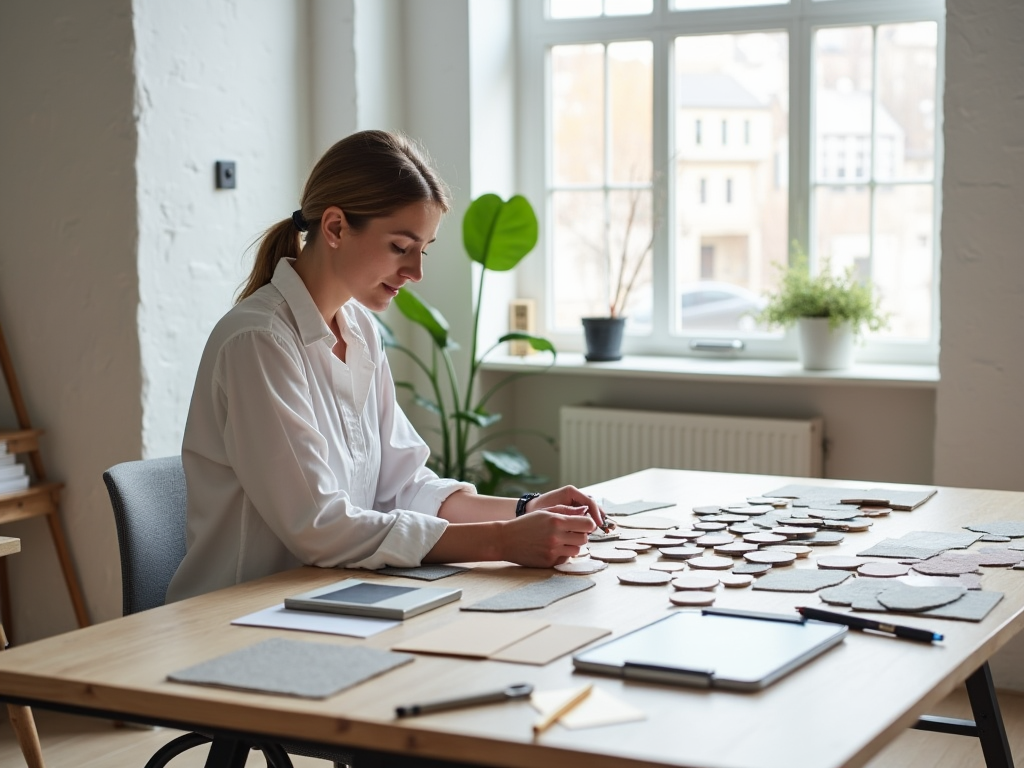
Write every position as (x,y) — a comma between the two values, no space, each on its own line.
(692,599)
(800,550)
(683,534)
(736,580)
(735,548)
(770,557)
(634,546)
(667,567)
(695,581)
(614,556)
(714,562)
(764,538)
(883,570)
(581,567)
(839,563)
(714,539)
(644,578)
(681,553)
(709,526)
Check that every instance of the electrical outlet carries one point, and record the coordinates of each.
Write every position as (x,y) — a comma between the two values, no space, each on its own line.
(225,174)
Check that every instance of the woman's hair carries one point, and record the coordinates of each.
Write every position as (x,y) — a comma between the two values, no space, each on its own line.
(367,175)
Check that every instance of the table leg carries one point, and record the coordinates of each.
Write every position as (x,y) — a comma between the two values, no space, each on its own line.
(227,752)
(5,597)
(24,725)
(988,718)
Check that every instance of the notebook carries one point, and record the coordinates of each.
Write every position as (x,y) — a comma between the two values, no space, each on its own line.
(367,598)
(744,653)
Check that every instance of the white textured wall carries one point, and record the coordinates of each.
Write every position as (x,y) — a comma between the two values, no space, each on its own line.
(216,80)
(979,416)
(68,284)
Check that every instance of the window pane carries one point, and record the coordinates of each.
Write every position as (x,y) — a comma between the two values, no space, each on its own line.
(842,219)
(842,102)
(629,255)
(631,91)
(731,187)
(628,7)
(904,251)
(577,108)
(574,9)
(692,5)
(580,273)
(906,95)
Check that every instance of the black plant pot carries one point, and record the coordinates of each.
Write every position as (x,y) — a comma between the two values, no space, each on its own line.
(604,338)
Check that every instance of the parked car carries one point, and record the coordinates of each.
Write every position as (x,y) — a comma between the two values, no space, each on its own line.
(715,306)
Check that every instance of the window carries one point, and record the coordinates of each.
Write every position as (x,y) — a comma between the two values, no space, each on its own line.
(828,137)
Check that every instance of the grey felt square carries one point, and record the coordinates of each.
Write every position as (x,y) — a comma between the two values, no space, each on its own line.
(993,537)
(423,572)
(905,500)
(293,668)
(533,596)
(974,606)
(943,539)
(801,580)
(900,549)
(633,507)
(834,512)
(1012,528)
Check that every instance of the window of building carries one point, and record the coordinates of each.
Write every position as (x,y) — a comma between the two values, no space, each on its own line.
(838,153)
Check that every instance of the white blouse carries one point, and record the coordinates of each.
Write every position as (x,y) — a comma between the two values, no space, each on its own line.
(294,457)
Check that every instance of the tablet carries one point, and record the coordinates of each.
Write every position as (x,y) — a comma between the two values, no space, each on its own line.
(369,598)
(708,650)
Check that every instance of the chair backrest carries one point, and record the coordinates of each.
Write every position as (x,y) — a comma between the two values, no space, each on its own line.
(149,504)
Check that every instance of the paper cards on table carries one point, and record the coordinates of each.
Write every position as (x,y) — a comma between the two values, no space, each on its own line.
(503,638)
(279,617)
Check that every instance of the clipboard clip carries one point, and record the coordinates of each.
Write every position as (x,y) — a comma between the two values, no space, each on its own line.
(662,673)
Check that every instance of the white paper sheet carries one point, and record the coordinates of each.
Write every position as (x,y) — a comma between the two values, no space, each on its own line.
(279,617)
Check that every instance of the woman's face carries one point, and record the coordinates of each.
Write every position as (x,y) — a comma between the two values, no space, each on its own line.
(376,262)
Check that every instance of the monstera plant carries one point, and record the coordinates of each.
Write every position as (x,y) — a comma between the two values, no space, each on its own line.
(496,234)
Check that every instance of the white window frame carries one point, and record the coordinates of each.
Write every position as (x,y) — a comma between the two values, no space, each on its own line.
(799,18)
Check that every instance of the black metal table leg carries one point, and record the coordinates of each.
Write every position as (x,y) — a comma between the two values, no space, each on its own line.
(988,718)
(227,752)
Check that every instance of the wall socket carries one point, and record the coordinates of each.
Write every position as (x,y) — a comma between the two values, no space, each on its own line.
(224,174)
(521,317)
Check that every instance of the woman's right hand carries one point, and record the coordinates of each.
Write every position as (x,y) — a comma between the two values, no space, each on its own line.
(546,537)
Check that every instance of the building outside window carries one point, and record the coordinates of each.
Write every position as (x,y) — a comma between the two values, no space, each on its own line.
(837,104)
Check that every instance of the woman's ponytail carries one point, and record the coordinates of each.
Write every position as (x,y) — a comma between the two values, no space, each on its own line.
(279,242)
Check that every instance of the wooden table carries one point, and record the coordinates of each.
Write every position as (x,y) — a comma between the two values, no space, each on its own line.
(838,710)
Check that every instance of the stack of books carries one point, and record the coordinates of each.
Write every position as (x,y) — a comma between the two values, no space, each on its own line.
(12,473)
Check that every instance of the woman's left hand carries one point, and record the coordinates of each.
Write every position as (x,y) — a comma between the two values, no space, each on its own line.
(570,496)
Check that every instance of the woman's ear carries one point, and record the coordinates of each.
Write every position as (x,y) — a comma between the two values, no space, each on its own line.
(332,225)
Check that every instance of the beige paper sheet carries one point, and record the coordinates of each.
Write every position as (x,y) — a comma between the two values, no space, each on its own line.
(475,636)
(549,644)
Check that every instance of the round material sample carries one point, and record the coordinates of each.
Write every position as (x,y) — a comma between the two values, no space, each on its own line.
(614,556)
(839,563)
(644,578)
(657,541)
(709,509)
(751,569)
(882,570)
(652,522)
(692,598)
(681,553)
(824,539)
(581,567)
(735,548)
(634,546)
(695,581)
(770,557)
(736,580)
(800,550)
(764,538)
(706,526)
(714,539)
(667,567)
(684,534)
(713,562)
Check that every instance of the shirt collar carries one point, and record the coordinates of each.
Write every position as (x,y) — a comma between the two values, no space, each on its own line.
(310,322)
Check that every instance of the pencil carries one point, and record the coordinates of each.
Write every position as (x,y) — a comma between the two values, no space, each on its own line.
(549,719)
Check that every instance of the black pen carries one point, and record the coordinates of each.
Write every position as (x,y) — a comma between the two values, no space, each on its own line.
(518,691)
(856,622)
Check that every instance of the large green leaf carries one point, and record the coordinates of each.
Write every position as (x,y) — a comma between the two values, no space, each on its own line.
(508,462)
(479,418)
(499,233)
(538,343)
(421,313)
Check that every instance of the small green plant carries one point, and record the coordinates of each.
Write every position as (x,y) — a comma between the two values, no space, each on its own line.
(839,297)
(497,234)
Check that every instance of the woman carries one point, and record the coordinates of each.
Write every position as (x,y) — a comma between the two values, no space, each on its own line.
(295,449)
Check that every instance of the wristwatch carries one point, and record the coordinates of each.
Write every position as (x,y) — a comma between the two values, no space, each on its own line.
(525,499)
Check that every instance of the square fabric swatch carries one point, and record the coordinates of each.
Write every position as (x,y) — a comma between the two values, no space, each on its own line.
(292,668)
(423,572)
(901,549)
(533,596)
(800,580)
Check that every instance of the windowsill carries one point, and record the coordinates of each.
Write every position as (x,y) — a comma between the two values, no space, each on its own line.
(736,371)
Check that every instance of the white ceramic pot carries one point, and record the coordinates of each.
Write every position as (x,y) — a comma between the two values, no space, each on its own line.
(823,348)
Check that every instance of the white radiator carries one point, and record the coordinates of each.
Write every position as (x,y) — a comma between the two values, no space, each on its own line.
(601,443)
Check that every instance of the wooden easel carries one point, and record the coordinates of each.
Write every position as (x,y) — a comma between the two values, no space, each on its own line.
(40,498)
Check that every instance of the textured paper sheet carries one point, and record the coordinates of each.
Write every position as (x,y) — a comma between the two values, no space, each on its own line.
(550,643)
(598,709)
(800,580)
(292,668)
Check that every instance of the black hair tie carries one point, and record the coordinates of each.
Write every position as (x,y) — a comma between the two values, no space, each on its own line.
(300,221)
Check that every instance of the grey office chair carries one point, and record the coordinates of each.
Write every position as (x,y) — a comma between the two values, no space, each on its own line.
(149,502)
